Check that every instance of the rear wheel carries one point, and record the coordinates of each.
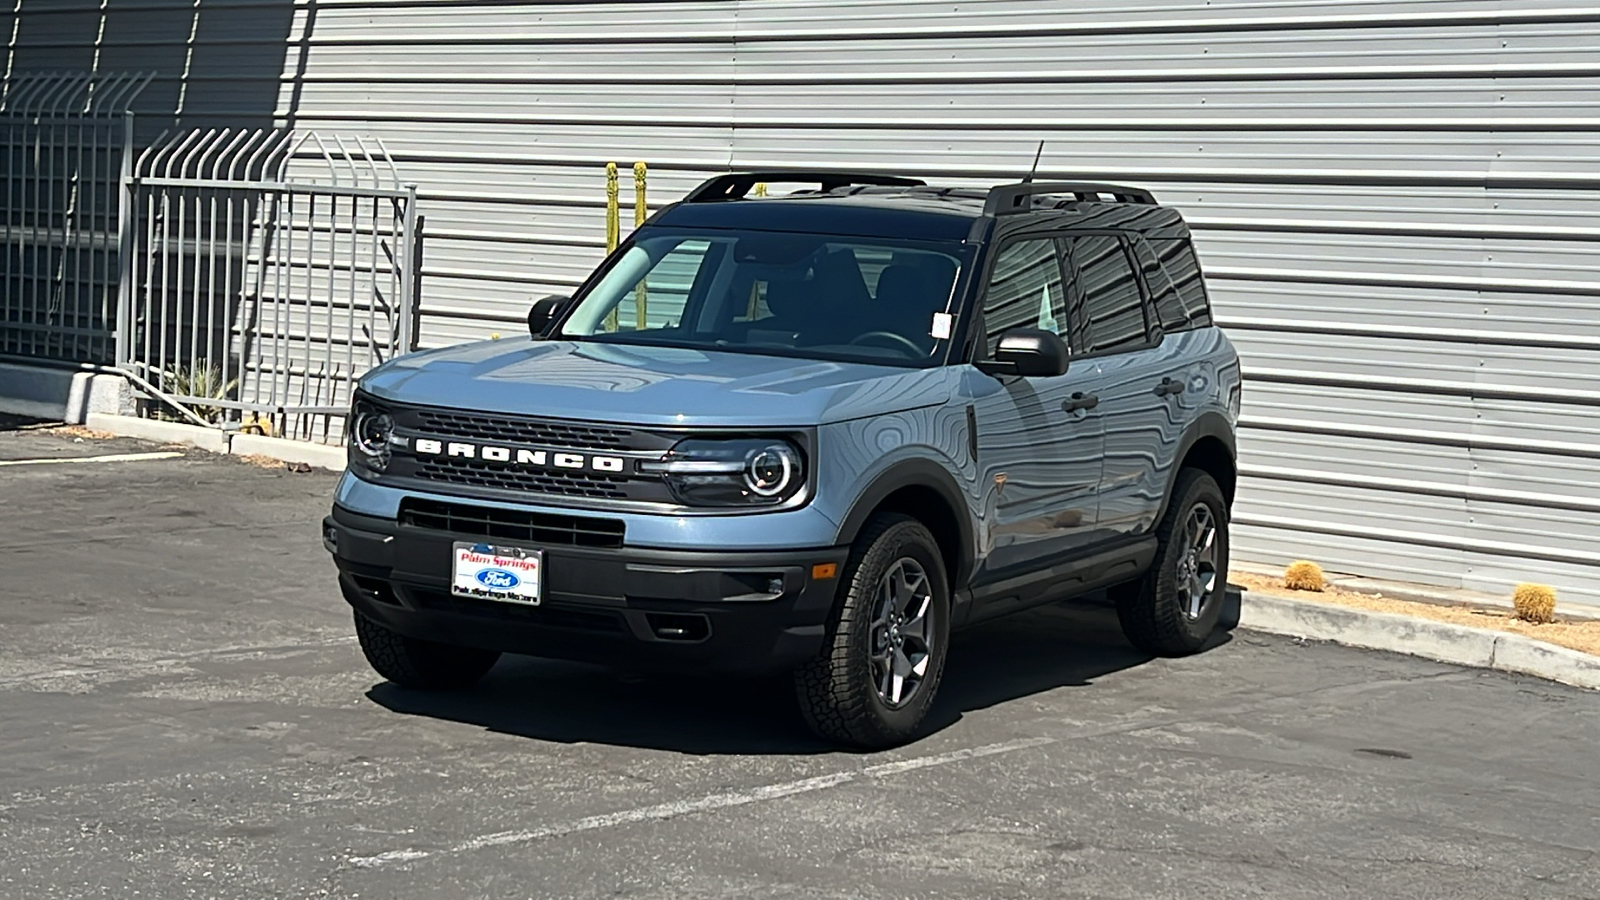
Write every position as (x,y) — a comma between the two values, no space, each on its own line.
(424,665)
(876,677)
(1174,608)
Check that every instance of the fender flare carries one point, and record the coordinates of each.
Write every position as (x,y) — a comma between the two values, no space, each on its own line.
(1209,424)
(924,473)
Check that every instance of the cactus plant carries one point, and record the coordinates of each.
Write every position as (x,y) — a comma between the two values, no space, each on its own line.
(1304,575)
(1534,603)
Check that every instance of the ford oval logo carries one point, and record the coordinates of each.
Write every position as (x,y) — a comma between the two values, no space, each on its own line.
(499,579)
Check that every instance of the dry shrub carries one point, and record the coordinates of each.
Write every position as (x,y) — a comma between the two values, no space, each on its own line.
(1304,575)
(1535,603)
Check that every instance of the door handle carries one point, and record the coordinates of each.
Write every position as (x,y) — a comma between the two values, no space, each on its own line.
(1080,400)
(1168,387)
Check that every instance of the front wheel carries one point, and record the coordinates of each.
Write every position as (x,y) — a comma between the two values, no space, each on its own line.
(425,665)
(1174,608)
(876,677)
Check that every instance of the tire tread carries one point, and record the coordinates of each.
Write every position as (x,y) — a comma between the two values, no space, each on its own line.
(1147,609)
(833,701)
(424,665)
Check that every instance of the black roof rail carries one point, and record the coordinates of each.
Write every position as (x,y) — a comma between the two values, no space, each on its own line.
(1006,199)
(737,184)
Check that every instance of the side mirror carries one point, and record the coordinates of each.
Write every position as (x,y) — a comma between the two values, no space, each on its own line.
(543,313)
(1028,352)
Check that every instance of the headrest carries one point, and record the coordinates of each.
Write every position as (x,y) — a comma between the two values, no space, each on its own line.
(833,287)
(788,298)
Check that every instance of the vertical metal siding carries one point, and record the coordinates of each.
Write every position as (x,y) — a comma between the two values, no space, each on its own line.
(1396,201)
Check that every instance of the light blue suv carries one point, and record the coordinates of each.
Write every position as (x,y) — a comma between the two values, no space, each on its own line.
(810,433)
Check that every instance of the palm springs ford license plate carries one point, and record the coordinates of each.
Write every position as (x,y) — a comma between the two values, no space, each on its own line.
(507,574)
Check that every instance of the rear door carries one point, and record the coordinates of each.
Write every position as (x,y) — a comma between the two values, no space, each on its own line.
(1038,461)
(1133,378)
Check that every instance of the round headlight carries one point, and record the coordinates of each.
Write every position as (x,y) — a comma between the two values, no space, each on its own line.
(758,471)
(767,471)
(370,434)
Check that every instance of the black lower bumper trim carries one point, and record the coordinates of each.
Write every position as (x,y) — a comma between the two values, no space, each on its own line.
(627,607)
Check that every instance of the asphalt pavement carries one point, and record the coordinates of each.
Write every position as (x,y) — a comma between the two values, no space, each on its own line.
(184,713)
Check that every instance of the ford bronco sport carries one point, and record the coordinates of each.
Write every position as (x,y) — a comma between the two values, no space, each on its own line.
(808,433)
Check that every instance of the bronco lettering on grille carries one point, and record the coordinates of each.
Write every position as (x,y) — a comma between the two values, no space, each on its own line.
(515,456)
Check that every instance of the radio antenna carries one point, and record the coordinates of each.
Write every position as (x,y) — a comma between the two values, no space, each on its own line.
(1035,168)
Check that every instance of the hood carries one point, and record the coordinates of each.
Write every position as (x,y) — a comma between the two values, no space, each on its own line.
(652,385)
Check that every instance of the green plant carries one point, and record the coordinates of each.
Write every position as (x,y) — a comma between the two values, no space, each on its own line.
(205,382)
(1534,603)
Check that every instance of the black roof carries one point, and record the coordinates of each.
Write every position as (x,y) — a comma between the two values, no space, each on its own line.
(890,206)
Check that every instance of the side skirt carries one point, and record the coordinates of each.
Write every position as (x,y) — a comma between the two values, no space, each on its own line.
(1062,580)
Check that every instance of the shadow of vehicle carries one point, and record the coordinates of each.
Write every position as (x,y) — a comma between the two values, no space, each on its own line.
(9,422)
(1063,645)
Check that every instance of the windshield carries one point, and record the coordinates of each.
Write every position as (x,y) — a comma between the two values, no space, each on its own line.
(811,296)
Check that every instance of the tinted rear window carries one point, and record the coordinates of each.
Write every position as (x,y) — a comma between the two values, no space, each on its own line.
(1179,261)
(1113,310)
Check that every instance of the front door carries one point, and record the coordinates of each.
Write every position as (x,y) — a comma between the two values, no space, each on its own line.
(1038,457)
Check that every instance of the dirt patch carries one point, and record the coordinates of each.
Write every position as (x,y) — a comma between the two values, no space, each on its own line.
(76,431)
(1577,634)
(267,462)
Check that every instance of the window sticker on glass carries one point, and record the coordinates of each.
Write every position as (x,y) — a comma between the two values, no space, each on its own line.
(1047,314)
(942,324)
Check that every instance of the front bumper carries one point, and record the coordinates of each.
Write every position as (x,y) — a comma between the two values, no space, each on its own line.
(627,607)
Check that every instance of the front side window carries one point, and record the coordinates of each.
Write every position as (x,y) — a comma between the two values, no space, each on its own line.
(1025,291)
(1113,308)
(784,294)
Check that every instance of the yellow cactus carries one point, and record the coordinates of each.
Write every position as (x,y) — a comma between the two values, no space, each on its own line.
(1303,575)
(1535,603)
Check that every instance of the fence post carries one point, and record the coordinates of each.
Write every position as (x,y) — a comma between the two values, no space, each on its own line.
(416,284)
(123,342)
(409,274)
(613,229)
(640,294)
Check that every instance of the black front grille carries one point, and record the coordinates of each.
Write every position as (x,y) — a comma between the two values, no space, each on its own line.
(522,453)
(542,529)
(481,427)
(540,481)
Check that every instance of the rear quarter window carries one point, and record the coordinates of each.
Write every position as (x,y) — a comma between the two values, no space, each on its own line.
(1191,308)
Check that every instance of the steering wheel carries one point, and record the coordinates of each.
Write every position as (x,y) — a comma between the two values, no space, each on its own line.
(900,341)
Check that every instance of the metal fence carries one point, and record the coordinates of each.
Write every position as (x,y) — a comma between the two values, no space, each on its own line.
(268,270)
(66,141)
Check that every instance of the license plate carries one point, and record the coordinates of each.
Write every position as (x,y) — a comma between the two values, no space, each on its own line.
(506,574)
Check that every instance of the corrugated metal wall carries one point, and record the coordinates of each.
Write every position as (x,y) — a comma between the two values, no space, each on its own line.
(1396,201)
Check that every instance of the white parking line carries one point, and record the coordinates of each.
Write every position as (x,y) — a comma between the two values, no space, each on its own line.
(713,801)
(110,457)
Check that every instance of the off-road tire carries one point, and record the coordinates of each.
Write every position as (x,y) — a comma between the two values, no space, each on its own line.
(1151,609)
(423,665)
(836,691)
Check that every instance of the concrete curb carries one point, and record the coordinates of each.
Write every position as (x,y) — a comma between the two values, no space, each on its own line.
(216,441)
(210,439)
(1457,644)
(323,456)
(61,394)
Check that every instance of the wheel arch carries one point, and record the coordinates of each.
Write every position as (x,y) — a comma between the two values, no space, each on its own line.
(926,491)
(1208,444)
